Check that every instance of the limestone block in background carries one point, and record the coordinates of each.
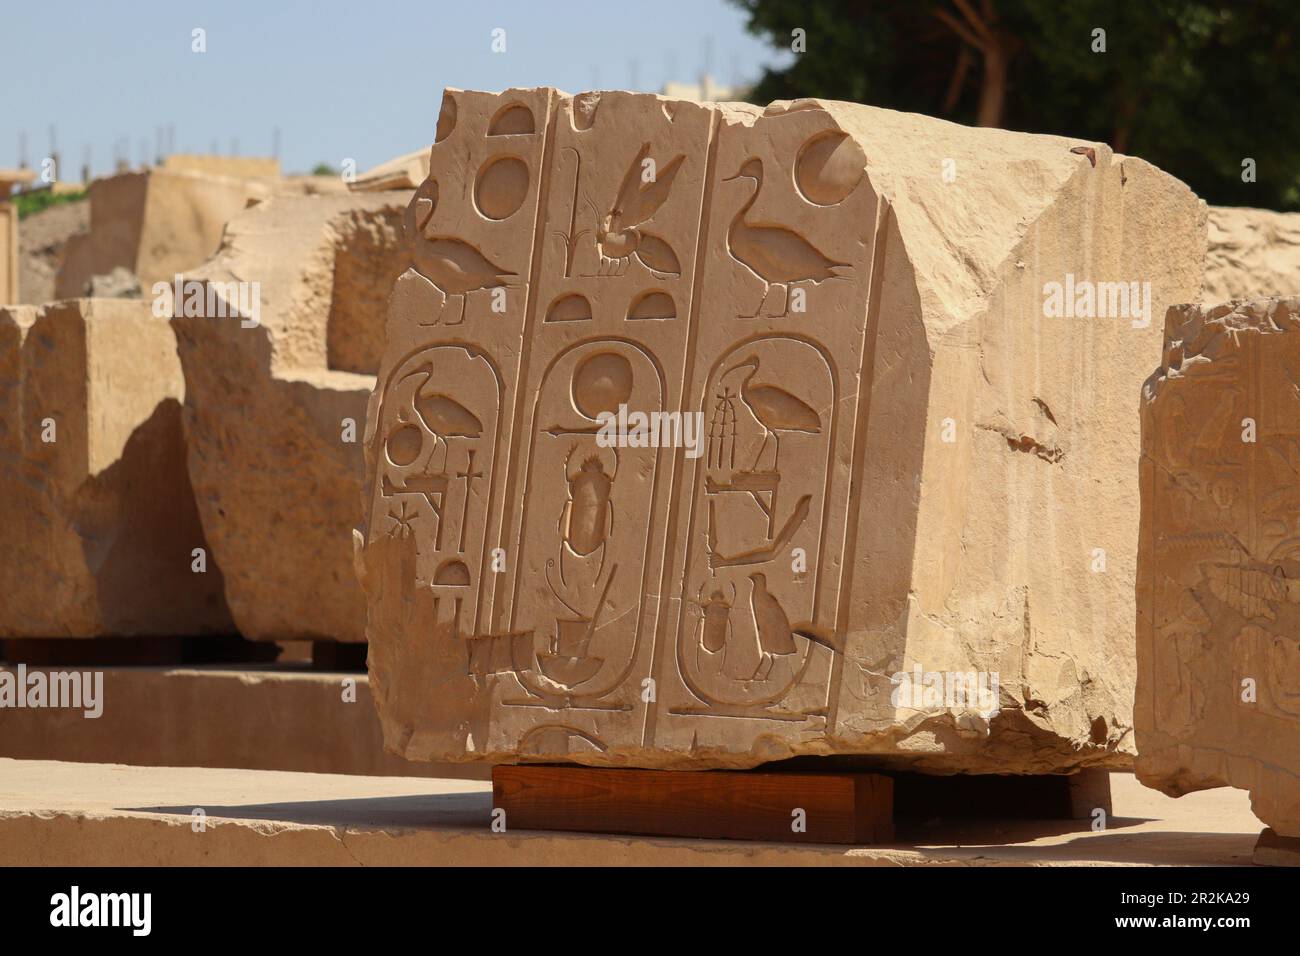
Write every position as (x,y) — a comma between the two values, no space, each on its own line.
(1218,693)
(907,462)
(1252,253)
(98,525)
(263,171)
(9,268)
(212,164)
(277,485)
(154,223)
(9,262)
(403,172)
(42,241)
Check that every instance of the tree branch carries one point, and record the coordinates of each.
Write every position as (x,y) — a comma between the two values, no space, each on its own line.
(958,28)
(958,80)
(982,29)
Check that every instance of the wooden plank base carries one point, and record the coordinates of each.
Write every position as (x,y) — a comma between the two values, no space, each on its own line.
(852,808)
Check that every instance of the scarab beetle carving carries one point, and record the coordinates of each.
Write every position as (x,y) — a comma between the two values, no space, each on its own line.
(715,628)
(587,519)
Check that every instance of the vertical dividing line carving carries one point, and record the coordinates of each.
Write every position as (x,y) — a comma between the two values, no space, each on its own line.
(1255,395)
(659,657)
(866,379)
(514,471)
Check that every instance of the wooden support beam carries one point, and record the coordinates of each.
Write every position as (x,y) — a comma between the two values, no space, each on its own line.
(853,808)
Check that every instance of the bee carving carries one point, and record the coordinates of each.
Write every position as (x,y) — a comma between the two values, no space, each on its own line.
(620,237)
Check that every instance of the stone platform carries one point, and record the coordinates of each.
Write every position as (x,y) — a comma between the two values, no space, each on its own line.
(58,813)
(269,717)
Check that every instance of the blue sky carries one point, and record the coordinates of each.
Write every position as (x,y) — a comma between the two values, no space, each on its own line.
(356,79)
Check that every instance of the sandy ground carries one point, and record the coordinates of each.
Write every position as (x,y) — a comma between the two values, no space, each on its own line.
(106,814)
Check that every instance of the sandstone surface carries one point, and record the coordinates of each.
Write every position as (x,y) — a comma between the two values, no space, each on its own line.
(97,518)
(212,164)
(1218,625)
(154,223)
(80,814)
(913,457)
(9,261)
(403,172)
(276,468)
(42,242)
(9,270)
(1251,253)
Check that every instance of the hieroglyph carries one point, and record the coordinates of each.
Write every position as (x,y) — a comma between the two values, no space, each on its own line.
(580,257)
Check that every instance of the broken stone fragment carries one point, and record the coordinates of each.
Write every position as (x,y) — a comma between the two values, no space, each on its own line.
(1251,254)
(9,258)
(43,238)
(118,284)
(275,402)
(1218,585)
(97,517)
(153,224)
(264,168)
(909,529)
(403,172)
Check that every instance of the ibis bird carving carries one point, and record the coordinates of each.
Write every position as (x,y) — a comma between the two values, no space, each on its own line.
(443,416)
(775,409)
(454,266)
(776,255)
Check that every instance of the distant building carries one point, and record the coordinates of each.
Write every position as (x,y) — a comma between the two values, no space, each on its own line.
(240,167)
(707,90)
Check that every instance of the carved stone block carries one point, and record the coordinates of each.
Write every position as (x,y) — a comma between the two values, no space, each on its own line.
(1218,694)
(97,517)
(8,251)
(1251,254)
(700,423)
(275,403)
(154,224)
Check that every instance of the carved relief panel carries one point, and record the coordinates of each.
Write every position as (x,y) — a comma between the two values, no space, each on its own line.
(442,428)
(780,369)
(1223,471)
(619,439)
(612,302)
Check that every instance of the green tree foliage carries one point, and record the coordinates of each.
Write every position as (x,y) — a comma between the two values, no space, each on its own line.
(30,203)
(1193,87)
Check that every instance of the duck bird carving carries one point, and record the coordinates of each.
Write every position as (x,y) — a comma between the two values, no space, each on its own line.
(619,233)
(776,255)
(776,633)
(455,267)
